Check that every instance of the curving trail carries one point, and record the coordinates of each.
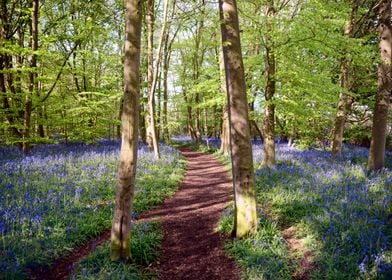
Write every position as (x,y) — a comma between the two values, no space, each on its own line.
(191,248)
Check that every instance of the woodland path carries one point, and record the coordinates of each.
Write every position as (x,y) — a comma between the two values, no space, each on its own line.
(191,248)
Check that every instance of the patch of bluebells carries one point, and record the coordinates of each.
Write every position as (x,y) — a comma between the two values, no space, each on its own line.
(59,195)
(337,201)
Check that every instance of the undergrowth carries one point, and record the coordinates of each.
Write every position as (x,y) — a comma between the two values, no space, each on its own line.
(61,195)
(336,206)
(145,243)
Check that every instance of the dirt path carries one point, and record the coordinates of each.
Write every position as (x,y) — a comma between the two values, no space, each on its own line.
(191,248)
(62,268)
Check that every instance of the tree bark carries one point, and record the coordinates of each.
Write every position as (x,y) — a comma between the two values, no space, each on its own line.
(380,114)
(206,125)
(225,136)
(245,221)
(33,83)
(151,102)
(129,121)
(269,110)
(150,71)
(345,101)
(166,62)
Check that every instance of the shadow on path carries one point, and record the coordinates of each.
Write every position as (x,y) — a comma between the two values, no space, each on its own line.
(191,248)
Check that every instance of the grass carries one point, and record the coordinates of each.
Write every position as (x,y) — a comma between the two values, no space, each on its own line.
(61,195)
(339,208)
(145,244)
(261,256)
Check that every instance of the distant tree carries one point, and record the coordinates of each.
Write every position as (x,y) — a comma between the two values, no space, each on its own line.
(129,123)
(245,220)
(270,88)
(345,100)
(33,83)
(151,136)
(167,52)
(380,114)
(225,135)
(355,28)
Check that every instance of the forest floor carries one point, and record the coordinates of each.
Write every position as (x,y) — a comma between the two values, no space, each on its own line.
(192,248)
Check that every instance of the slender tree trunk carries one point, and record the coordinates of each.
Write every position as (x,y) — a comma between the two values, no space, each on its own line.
(206,125)
(159,107)
(256,127)
(165,94)
(166,64)
(120,111)
(142,123)
(128,155)
(191,130)
(41,130)
(33,83)
(344,106)
(269,110)
(240,141)
(151,102)
(150,72)
(225,136)
(380,115)
(345,101)
(197,121)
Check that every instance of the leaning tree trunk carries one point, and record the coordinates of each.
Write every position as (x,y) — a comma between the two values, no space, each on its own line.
(129,122)
(245,221)
(380,115)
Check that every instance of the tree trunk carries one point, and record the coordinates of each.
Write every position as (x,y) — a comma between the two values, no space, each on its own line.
(206,124)
(150,72)
(191,130)
(142,123)
(165,94)
(380,115)
(225,136)
(197,120)
(240,141)
(120,111)
(166,64)
(33,83)
(345,101)
(151,102)
(129,121)
(269,110)
(256,127)
(159,108)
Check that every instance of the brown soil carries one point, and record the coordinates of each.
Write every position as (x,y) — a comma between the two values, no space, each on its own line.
(191,248)
(298,250)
